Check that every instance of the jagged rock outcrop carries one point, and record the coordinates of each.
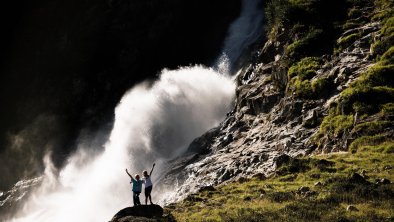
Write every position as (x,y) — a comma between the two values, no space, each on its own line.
(141,213)
(11,200)
(271,120)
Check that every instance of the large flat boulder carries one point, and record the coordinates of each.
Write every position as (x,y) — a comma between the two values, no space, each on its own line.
(138,213)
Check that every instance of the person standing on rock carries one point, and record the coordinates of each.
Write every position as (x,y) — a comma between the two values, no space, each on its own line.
(137,187)
(148,185)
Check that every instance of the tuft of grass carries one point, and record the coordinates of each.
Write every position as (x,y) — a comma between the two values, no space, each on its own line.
(321,87)
(372,128)
(346,41)
(336,125)
(299,76)
(374,96)
(305,69)
(387,110)
(303,46)
(387,37)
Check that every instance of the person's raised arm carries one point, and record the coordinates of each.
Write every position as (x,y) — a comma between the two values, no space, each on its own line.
(129,174)
(152,169)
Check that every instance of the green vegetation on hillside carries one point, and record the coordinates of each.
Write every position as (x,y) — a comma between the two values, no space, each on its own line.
(368,101)
(309,25)
(308,189)
(300,83)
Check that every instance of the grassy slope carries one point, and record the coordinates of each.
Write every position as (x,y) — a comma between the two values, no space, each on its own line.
(277,199)
(372,153)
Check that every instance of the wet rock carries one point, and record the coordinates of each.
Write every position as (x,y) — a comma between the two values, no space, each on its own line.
(144,211)
(388,167)
(11,200)
(226,175)
(202,144)
(351,208)
(311,119)
(227,140)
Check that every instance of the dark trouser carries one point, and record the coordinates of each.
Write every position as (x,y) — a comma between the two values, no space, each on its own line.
(136,198)
(148,190)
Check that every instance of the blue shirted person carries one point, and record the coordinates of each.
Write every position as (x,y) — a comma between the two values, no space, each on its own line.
(137,187)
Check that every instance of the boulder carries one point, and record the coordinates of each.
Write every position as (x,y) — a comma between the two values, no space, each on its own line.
(138,213)
(357,178)
(383,181)
(282,159)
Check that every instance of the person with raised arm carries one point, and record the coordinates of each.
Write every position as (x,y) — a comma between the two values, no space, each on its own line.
(137,187)
(148,185)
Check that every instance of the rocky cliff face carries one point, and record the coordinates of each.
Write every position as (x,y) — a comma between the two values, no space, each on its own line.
(281,100)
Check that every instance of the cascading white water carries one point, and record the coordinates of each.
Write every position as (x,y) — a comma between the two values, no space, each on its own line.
(153,122)
(244,31)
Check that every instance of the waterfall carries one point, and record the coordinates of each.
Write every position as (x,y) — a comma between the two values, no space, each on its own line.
(153,123)
(243,32)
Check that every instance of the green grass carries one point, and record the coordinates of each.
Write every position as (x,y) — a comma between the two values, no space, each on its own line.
(305,69)
(299,76)
(371,93)
(387,110)
(301,47)
(335,125)
(384,13)
(277,199)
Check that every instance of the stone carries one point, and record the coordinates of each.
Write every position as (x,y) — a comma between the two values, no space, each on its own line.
(146,211)
(383,181)
(303,189)
(247,198)
(318,184)
(388,167)
(357,178)
(351,208)
(282,159)
(225,176)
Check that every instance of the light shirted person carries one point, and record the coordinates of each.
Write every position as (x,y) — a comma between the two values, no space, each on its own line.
(148,185)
